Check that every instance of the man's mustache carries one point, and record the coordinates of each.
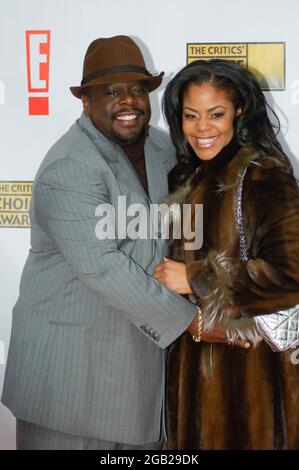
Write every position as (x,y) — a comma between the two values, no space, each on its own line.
(126,110)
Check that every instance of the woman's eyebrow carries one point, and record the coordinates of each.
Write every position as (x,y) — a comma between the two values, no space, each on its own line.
(209,110)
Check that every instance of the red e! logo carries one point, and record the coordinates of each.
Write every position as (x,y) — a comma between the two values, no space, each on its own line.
(38,62)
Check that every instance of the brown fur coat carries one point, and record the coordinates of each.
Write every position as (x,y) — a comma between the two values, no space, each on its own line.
(220,397)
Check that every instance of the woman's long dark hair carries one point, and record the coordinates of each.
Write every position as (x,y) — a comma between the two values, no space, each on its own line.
(252,127)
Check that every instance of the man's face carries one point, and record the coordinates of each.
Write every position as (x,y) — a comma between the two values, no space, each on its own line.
(120,111)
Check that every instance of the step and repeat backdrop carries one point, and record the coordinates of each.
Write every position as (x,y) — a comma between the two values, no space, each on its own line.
(42,46)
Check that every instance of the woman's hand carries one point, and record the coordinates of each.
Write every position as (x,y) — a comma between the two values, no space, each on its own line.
(173,275)
(217,335)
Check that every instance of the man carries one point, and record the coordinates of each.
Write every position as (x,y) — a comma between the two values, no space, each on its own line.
(86,362)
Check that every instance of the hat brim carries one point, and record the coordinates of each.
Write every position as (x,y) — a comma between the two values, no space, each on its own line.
(153,81)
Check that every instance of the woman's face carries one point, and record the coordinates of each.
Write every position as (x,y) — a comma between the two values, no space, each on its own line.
(208,116)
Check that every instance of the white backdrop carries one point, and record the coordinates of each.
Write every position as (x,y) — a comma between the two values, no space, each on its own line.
(162,28)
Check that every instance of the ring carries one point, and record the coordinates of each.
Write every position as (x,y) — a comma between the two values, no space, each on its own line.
(229,341)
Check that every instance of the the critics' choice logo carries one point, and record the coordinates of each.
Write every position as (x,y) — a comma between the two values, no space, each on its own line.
(15,199)
(38,67)
(265,59)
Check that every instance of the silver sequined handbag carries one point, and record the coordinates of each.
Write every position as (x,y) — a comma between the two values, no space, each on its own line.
(281,329)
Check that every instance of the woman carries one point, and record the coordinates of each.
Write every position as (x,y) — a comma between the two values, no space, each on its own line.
(221,397)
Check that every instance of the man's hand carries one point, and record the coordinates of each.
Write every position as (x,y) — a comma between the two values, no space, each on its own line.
(173,275)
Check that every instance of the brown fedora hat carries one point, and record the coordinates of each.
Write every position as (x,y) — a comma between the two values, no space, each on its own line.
(114,60)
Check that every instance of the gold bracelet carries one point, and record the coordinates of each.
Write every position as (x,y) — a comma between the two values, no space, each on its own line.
(197,338)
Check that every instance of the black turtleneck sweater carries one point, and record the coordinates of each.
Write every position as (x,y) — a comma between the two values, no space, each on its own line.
(216,164)
(202,168)
(135,153)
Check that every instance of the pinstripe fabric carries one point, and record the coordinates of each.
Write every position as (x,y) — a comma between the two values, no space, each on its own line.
(90,324)
(34,437)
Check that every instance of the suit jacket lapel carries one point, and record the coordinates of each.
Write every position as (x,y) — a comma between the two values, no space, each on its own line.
(156,168)
(107,149)
(155,160)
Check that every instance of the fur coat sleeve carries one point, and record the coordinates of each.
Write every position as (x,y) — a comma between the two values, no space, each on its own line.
(269,281)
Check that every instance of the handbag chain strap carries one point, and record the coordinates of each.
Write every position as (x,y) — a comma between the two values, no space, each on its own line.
(240,221)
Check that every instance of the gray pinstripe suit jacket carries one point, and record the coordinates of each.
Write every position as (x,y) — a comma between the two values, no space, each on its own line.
(90,325)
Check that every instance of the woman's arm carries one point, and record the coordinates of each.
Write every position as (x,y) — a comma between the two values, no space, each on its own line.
(237,332)
(269,281)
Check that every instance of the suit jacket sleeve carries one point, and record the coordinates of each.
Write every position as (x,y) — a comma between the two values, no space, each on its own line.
(66,195)
(269,281)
